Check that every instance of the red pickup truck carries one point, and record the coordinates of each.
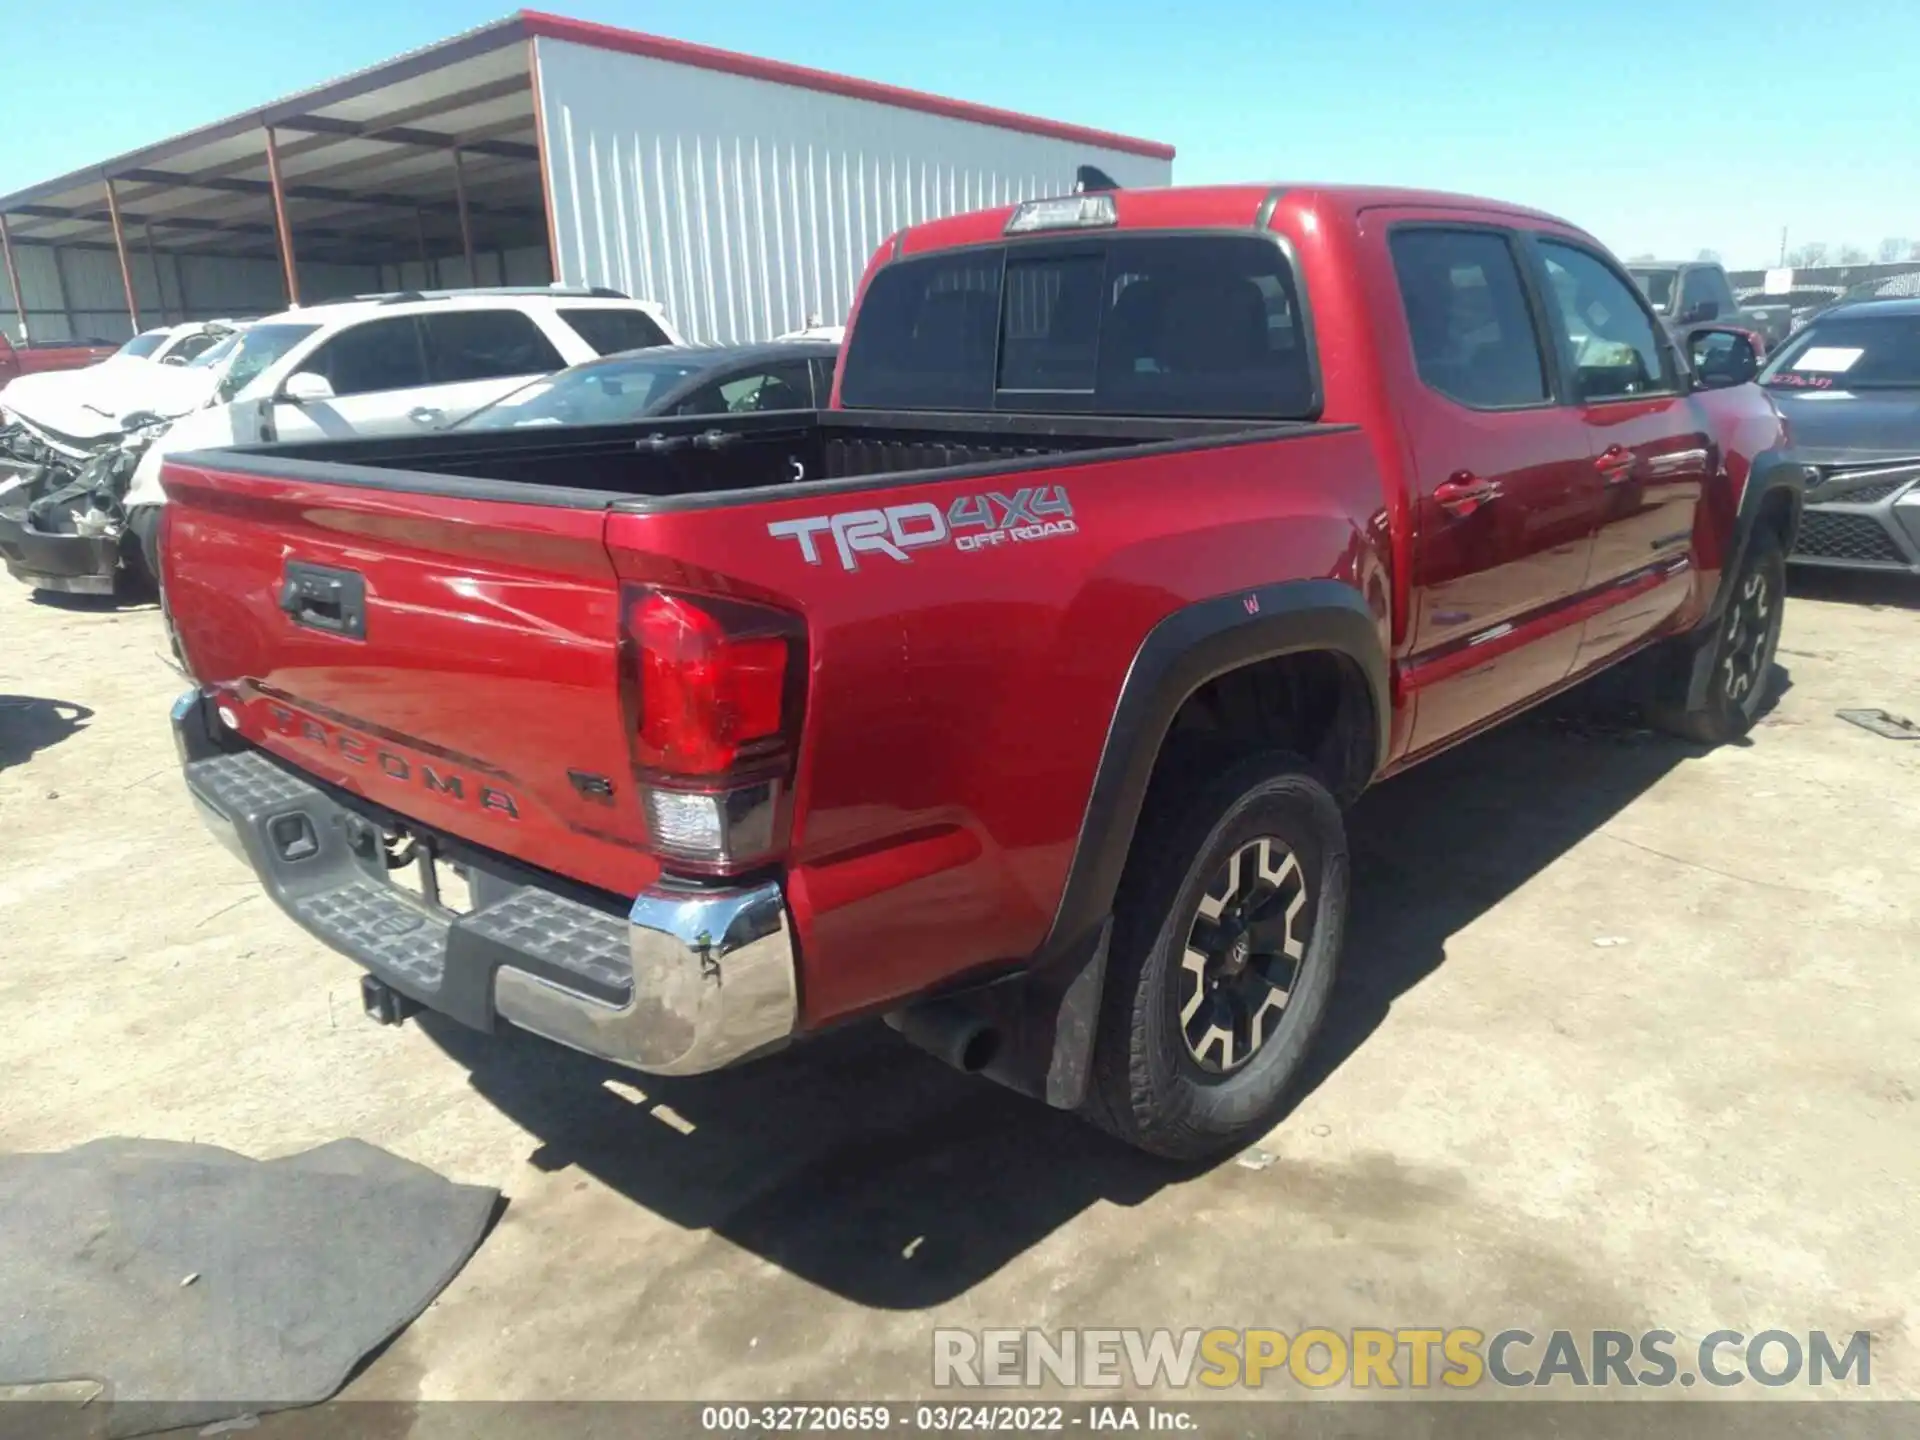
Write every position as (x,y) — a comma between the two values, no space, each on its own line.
(1016,697)
(28,359)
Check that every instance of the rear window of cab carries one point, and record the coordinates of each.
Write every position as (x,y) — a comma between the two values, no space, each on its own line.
(1167,325)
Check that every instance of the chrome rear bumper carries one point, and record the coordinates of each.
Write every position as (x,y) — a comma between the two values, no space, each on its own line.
(689,979)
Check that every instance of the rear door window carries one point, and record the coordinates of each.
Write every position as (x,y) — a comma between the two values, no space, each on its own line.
(1473,332)
(1124,325)
(610,331)
(467,345)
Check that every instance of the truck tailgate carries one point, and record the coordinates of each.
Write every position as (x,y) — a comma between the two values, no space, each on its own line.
(455,660)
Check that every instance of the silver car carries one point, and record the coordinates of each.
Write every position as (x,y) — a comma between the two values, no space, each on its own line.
(1849,386)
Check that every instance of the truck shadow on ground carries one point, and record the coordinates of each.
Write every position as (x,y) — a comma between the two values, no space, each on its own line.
(1440,846)
(873,1171)
(30,724)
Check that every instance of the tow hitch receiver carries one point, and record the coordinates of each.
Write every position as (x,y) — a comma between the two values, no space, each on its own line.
(384,1003)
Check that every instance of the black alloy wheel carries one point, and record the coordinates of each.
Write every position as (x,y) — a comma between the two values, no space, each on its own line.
(1243,953)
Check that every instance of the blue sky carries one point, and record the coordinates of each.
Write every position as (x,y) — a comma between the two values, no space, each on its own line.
(1660,126)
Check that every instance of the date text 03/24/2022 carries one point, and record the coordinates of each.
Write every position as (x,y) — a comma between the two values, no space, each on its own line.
(945,1418)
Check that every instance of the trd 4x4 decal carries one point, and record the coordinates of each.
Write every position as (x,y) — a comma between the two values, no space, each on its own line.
(972,522)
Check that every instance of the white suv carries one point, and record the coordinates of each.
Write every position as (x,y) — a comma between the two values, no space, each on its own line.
(396,364)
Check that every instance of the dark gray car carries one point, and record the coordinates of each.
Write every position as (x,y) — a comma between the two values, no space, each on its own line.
(1849,387)
(670,380)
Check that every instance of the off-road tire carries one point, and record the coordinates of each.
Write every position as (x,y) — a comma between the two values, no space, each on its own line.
(1147,1086)
(1743,641)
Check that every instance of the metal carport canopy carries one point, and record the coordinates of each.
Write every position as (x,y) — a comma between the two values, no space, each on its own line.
(436,151)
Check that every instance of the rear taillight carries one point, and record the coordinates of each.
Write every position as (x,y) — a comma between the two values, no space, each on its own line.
(717,689)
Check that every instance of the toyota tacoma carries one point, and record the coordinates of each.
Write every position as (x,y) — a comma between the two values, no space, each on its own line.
(1016,696)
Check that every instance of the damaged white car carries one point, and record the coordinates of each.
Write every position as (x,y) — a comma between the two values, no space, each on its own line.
(88,518)
(156,370)
(66,464)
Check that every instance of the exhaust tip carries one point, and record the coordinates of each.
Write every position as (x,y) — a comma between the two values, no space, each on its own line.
(950,1033)
(978,1050)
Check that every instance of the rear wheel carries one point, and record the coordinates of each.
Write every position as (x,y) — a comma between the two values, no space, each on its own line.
(1225,944)
(1743,645)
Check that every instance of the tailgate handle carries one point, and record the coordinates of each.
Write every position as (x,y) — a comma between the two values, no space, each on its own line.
(322,598)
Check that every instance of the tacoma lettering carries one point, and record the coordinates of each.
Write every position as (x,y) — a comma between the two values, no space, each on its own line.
(395,766)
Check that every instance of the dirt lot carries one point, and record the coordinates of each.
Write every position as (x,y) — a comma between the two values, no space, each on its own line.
(1629,1037)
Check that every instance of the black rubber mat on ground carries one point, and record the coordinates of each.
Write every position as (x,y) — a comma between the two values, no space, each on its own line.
(195,1284)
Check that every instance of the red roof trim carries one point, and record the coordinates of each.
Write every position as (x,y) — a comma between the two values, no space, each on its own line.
(680,52)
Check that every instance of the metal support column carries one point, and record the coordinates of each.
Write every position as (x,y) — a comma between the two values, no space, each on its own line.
(546,162)
(120,248)
(466,224)
(428,280)
(60,288)
(280,224)
(13,279)
(159,278)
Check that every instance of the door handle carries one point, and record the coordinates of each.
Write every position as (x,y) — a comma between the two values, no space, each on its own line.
(1463,492)
(1617,464)
(426,415)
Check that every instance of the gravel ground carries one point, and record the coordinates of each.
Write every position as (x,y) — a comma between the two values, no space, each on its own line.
(1628,1038)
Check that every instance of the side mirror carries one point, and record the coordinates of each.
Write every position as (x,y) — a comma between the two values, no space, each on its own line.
(1722,356)
(174,360)
(306,386)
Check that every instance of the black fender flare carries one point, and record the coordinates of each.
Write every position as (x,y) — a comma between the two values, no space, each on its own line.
(1048,1015)
(1774,472)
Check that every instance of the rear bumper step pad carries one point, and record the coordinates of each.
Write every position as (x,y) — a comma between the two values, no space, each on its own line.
(715,967)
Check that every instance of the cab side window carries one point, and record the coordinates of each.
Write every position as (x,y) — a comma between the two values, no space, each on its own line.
(1614,349)
(1473,333)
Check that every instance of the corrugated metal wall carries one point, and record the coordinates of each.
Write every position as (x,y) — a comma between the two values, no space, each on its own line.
(744,206)
(180,287)
(491,267)
(210,287)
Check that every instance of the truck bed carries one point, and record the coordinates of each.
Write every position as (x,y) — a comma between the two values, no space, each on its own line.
(658,465)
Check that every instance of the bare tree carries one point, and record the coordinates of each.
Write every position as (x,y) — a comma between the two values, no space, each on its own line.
(1708,257)
(1852,255)
(1892,250)
(1809,256)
